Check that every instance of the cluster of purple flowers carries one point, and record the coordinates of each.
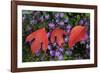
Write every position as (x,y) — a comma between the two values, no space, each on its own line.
(33,20)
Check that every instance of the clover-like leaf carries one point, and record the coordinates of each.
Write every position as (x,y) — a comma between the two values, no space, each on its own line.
(77,34)
(57,36)
(38,38)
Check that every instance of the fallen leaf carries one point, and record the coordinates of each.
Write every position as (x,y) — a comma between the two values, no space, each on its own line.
(39,38)
(57,36)
(77,34)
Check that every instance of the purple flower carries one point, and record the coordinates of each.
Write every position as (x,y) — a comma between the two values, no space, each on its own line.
(81,22)
(68,31)
(48,34)
(41,18)
(52,53)
(68,26)
(66,39)
(61,23)
(57,20)
(86,23)
(47,16)
(61,49)
(49,47)
(61,15)
(87,46)
(66,20)
(60,57)
(51,25)
(57,53)
(57,15)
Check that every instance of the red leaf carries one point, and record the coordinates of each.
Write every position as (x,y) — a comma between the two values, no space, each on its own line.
(57,36)
(76,35)
(40,39)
